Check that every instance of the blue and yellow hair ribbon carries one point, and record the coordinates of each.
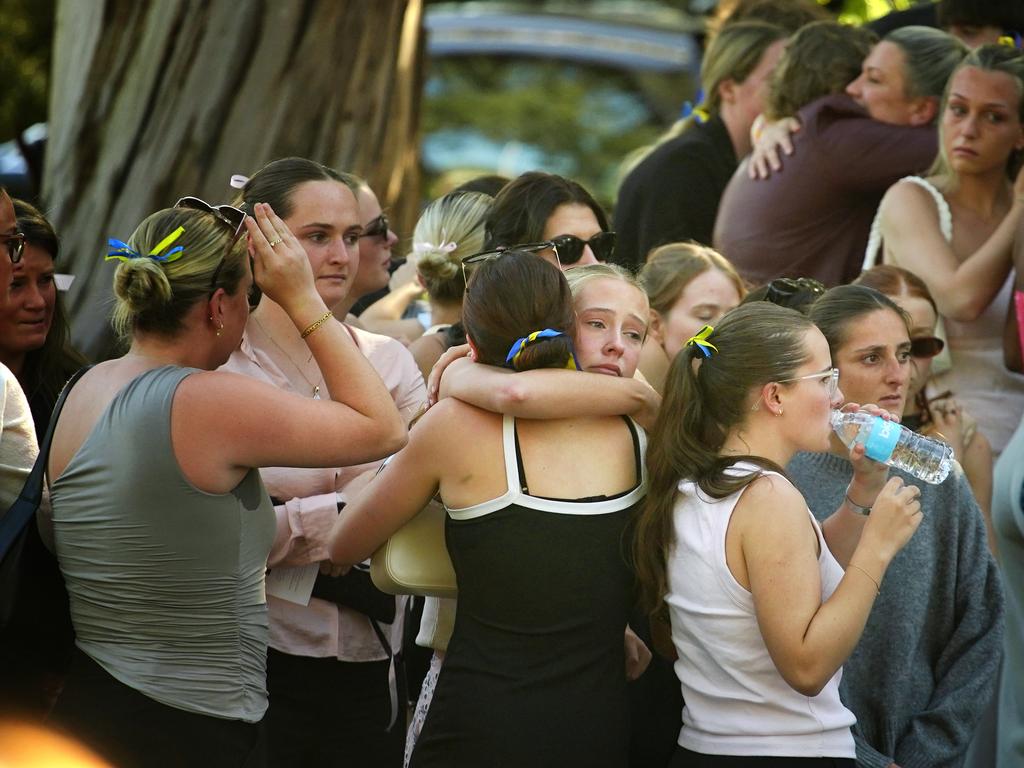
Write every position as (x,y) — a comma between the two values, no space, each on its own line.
(1013,40)
(520,344)
(695,109)
(123,252)
(700,340)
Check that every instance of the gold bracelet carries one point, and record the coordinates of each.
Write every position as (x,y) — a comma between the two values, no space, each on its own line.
(878,588)
(327,316)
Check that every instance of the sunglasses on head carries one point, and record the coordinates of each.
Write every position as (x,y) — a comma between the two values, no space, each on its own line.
(479,258)
(379,227)
(15,245)
(234,218)
(783,289)
(570,247)
(926,347)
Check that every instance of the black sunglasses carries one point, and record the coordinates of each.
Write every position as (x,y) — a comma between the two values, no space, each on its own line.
(379,227)
(15,245)
(479,258)
(926,347)
(570,247)
(235,219)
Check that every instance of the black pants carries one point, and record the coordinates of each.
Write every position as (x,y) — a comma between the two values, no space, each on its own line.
(130,729)
(684,758)
(325,712)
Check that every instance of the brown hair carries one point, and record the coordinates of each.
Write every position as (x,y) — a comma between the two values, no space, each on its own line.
(670,268)
(840,306)
(896,281)
(791,15)
(821,59)
(510,297)
(275,183)
(520,212)
(47,368)
(705,398)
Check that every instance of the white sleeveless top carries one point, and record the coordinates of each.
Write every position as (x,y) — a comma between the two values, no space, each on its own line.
(971,365)
(872,255)
(736,702)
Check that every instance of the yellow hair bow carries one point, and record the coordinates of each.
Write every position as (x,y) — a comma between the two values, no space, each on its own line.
(700,340)
(121,251)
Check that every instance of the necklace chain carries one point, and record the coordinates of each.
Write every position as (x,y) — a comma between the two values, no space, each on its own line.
(296,366)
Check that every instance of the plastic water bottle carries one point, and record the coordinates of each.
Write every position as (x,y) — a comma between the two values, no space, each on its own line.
(891,443)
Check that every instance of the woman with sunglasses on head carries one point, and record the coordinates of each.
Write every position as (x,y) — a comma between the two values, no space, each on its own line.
(339,633)
(762,615)
(927,663)
(34,331)
(689,286)
(941,416)
(537,208)
(534,670)
(957,227)
(161,523)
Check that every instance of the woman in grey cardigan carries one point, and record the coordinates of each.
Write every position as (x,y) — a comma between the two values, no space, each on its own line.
(928,661)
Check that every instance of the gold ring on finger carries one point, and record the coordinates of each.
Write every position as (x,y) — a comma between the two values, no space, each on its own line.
(276,241)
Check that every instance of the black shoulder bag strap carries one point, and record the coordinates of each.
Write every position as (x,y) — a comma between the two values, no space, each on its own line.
(31,496)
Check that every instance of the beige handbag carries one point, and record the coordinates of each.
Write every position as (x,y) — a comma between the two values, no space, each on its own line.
(415,561)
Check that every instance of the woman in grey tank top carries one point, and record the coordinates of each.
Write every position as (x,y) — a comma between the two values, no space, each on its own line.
(161,523)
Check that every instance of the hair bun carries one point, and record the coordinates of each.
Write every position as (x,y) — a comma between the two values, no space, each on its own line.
(142,286)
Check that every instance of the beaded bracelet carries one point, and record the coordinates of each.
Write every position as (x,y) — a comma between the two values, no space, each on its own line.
(327,316)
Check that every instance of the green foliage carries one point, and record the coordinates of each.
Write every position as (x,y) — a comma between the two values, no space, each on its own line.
(577,120)
(24,63)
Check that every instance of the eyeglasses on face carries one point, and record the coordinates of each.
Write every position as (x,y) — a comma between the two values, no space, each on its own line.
(15,245)
(479,258)
(832,375)
(570,247)
(378,227)
(234,218)
(926,347)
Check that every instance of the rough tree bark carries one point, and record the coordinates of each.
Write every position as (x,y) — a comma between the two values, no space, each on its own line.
(154,100)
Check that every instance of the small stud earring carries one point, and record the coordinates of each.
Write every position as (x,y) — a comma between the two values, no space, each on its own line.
(779,413)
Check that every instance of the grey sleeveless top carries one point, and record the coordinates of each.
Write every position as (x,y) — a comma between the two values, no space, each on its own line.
(165,580)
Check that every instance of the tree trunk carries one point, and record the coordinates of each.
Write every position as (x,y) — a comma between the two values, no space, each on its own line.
(154,100)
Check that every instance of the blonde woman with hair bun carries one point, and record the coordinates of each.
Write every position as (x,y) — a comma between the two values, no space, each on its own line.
(161,523)
(449,229)
(689,286)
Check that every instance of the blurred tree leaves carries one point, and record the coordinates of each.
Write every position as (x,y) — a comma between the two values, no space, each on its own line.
(24,63)
(576,120)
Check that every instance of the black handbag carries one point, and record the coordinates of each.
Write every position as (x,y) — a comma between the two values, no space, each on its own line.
(36,636)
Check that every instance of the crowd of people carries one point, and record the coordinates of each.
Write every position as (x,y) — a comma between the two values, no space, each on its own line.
(664,554)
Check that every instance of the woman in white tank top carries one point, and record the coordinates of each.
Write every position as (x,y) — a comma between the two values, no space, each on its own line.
(957,229)
(762,615)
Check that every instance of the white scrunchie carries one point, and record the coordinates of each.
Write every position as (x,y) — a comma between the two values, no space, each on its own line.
(421,248)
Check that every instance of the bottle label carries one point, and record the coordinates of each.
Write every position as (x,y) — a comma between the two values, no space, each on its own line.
(882,439)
